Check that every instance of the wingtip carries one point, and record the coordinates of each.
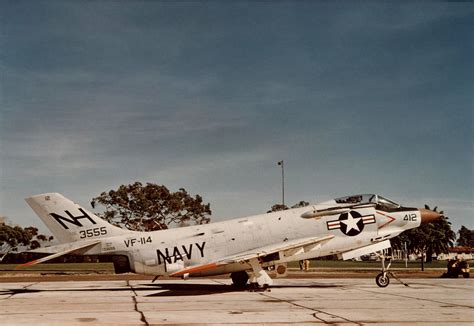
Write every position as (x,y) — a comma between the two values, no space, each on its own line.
(25,264)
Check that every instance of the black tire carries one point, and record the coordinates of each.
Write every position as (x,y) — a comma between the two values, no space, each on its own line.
(121,264)
(382,281)
(239,279)
(465,275)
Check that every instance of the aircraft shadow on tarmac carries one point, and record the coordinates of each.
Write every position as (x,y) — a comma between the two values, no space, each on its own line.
(180,289)
(167,289)
(12,292)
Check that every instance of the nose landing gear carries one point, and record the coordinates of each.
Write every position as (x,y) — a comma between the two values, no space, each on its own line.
(383,279)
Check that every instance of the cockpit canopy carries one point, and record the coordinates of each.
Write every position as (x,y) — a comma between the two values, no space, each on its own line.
(368,199)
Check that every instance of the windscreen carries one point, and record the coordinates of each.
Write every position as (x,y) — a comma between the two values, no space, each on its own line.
(387,203)
(380,201)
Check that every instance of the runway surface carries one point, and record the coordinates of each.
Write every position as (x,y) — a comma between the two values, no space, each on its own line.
(214,301)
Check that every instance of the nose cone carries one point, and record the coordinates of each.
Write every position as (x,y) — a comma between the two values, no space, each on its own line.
(428,216)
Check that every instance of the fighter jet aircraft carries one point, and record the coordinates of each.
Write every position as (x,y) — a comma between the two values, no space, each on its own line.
(244,247)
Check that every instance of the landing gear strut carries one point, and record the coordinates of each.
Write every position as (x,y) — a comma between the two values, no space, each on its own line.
(259,279)
(383,279)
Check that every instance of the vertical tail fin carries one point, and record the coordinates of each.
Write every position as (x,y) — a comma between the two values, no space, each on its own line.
(68,221)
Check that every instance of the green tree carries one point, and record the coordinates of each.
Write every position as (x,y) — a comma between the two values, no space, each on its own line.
(281,207)
(277,207)
(14,236)
(301,203)
(151,207)
(428,239)
(466,237)
(36,238)
(11,237)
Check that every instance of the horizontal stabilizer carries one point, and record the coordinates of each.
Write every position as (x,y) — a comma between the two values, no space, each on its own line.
(72,248)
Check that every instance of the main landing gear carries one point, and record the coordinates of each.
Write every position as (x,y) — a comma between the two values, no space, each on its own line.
(383,279)
(239,279)
(259,279)
(240,282)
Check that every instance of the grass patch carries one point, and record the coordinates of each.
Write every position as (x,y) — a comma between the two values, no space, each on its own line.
(99,267)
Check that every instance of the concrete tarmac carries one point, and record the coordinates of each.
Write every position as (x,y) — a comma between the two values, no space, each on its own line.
(214,301)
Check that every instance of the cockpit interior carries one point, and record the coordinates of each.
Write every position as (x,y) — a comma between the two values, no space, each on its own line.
(380,202)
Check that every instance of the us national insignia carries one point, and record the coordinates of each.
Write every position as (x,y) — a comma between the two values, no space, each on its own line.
(351,223)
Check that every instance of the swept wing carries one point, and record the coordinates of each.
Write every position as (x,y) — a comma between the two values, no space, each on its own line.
(287,247)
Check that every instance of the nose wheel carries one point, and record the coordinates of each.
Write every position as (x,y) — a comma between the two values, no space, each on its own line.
(382,280)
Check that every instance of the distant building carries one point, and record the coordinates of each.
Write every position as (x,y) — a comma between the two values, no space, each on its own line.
(466,253)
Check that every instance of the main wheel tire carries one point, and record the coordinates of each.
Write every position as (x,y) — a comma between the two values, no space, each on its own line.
(239,279)
(382,281)
(465,275)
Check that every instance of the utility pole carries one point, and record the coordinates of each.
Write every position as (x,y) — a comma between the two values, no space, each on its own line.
(406,254)
(282,164)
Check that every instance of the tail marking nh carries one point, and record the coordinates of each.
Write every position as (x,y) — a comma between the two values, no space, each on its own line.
(74,219)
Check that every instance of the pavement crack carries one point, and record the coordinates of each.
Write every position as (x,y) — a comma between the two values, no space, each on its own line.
(11,293)
(135,305)
(337,319)
(420,299)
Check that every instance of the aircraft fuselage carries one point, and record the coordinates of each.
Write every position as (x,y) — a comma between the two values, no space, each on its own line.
(164,252)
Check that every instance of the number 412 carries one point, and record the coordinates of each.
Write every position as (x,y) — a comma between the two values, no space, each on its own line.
(410,217)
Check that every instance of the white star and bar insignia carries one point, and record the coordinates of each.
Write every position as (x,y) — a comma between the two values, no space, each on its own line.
(351,223)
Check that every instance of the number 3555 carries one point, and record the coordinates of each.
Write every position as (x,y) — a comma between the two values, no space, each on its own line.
(95,232)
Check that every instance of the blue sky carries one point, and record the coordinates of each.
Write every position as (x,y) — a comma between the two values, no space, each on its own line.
(359,97)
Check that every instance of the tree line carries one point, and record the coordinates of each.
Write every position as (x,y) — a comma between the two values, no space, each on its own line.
(13,237)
